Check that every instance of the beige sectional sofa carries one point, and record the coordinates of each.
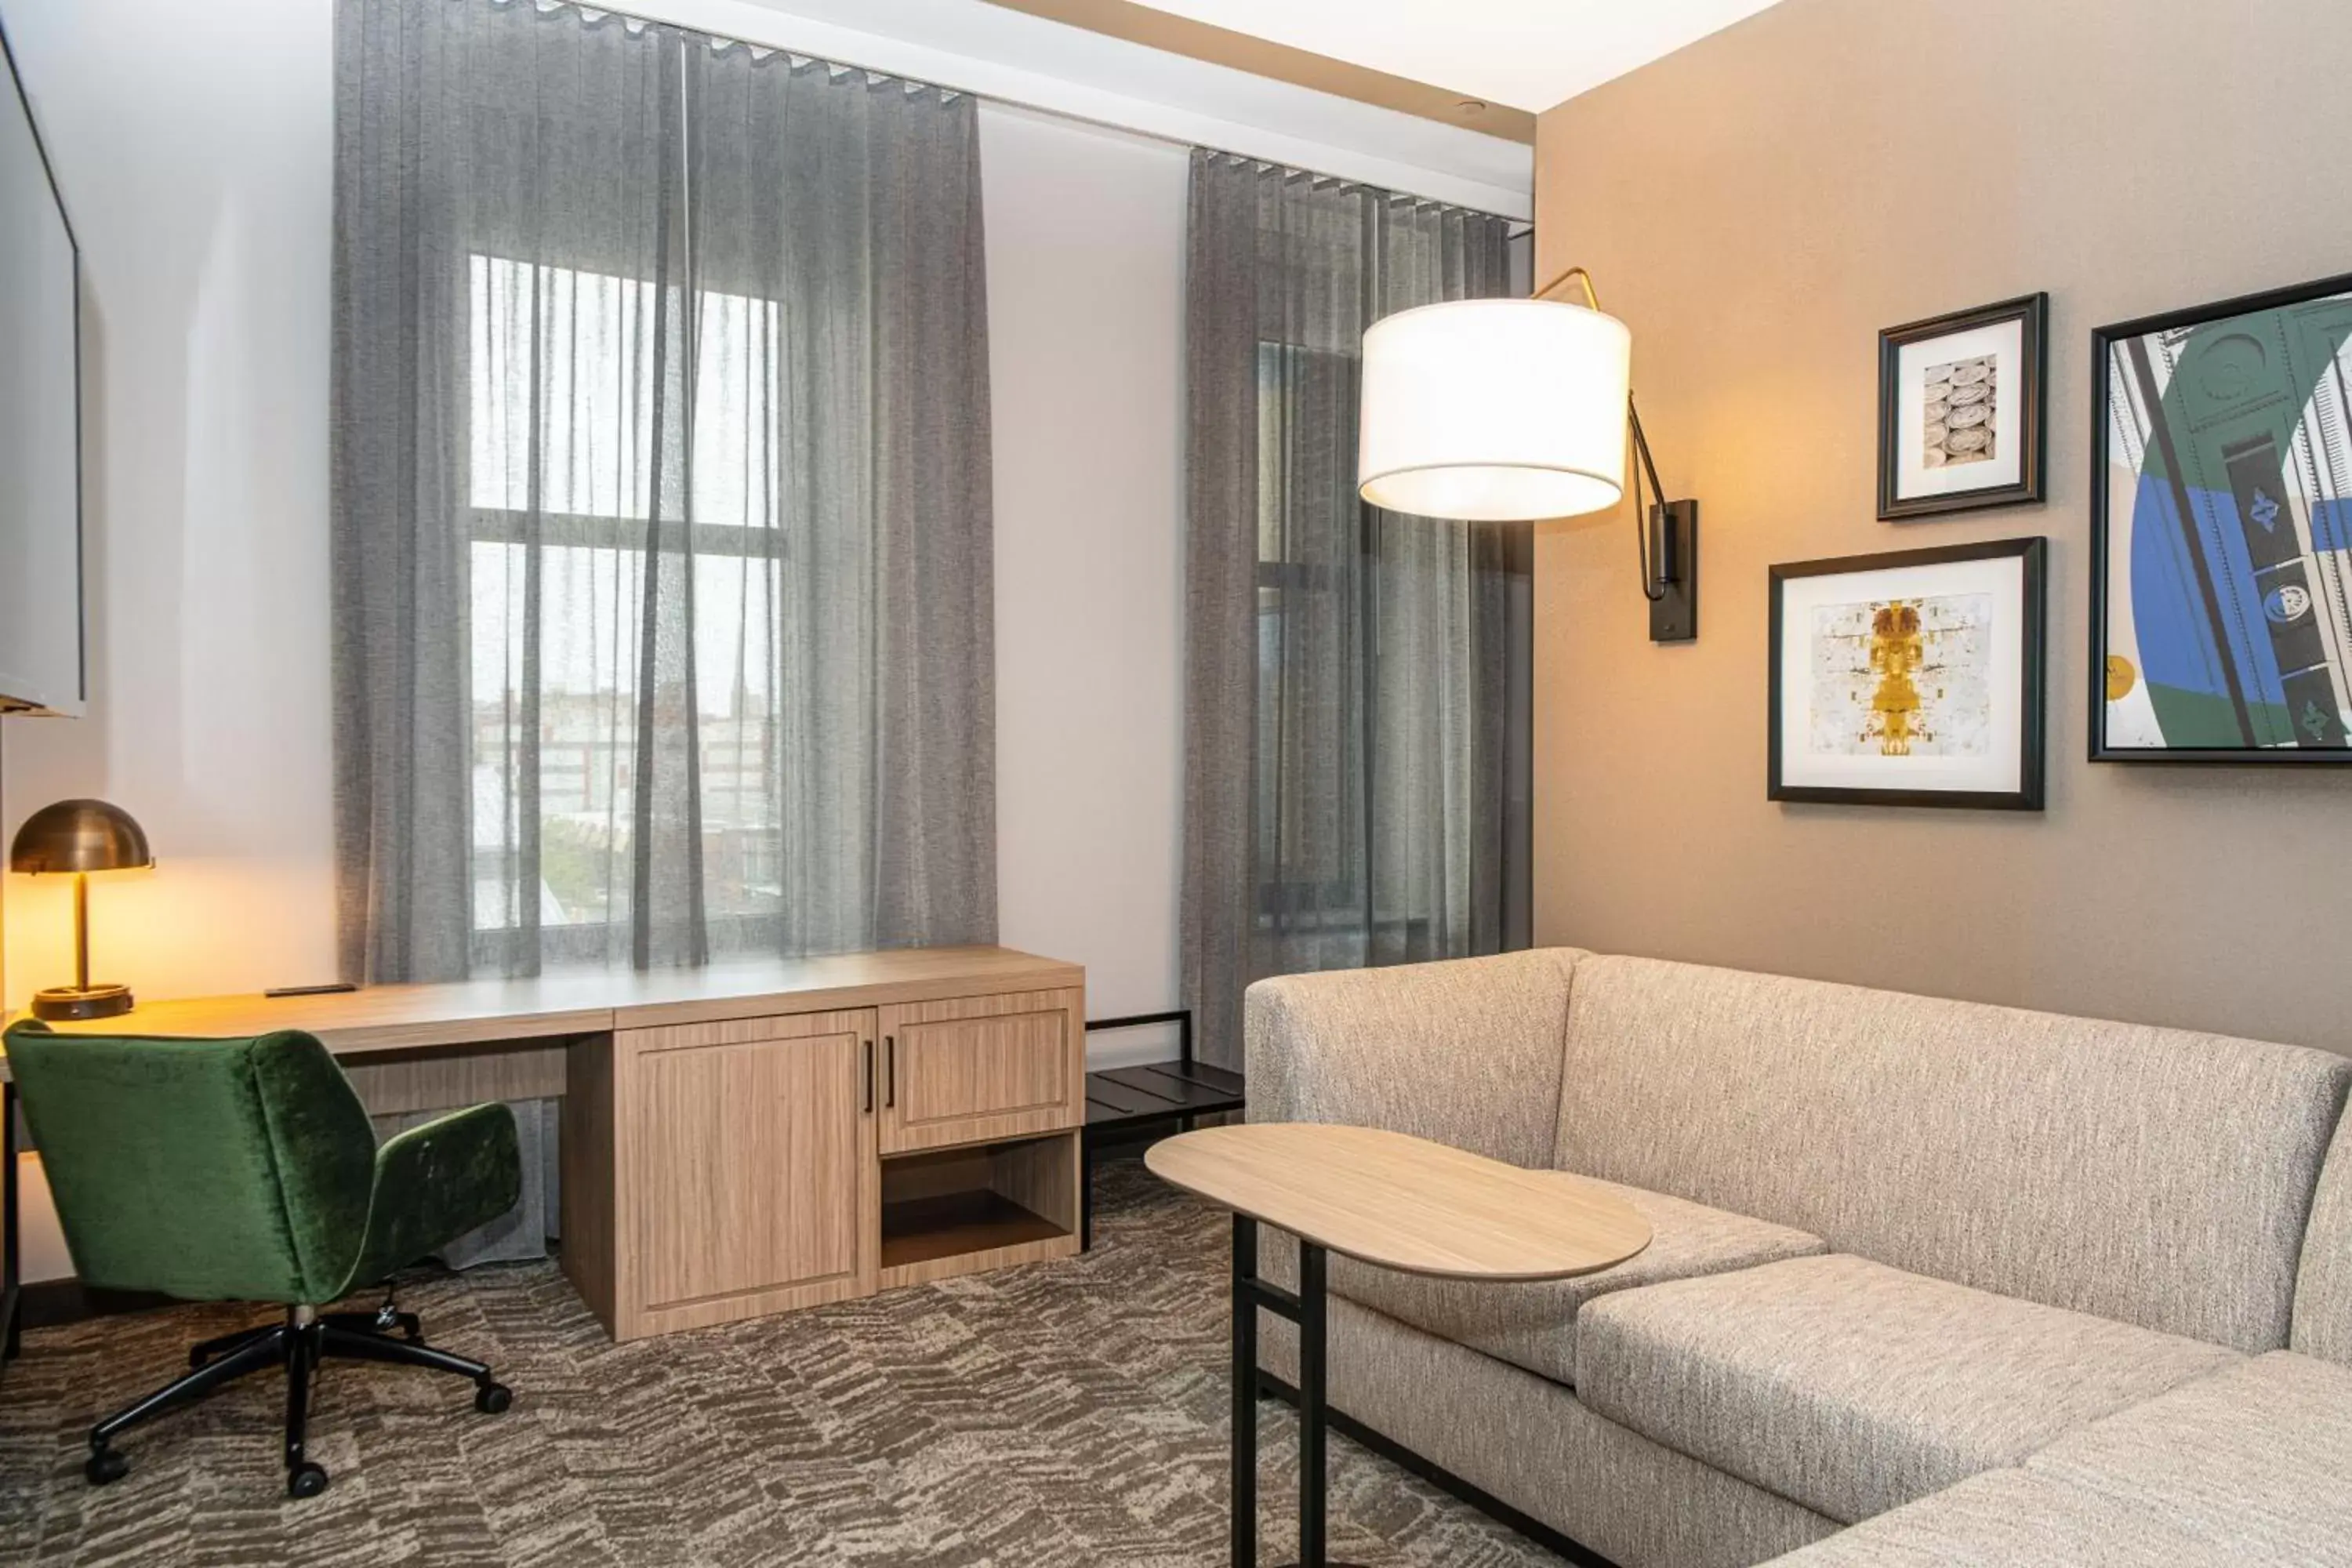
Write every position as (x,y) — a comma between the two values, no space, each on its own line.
(1985,1286)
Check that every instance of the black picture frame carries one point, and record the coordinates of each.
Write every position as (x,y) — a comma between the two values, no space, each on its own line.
(2032,591)
(2032,312)
(2104,341)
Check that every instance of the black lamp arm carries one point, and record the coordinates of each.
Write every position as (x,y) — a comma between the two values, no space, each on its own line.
(1672,587)
(1653,583)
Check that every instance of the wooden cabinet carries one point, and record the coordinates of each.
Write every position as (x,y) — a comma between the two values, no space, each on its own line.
(968,1068)
(742,1171)
(745,1157)
(723,1167)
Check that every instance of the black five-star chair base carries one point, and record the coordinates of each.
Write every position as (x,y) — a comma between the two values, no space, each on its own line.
(305,1338)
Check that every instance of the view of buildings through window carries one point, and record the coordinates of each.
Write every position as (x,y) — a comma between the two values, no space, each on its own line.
(575,450)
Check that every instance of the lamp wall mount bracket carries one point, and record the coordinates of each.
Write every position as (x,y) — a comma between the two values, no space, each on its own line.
(1673,545)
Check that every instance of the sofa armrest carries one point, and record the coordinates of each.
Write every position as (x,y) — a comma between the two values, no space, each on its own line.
(1466,1052)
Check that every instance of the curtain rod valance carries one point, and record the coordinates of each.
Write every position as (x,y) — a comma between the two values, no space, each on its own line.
(1317,179)
(636,22)
(594,16)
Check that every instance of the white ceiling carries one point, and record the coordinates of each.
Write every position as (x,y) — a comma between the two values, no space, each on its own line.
(1529,54)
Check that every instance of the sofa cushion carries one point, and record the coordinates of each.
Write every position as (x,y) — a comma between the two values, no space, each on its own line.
(2152,1175)
(1525,1441)
(1534,1325)
(2016,1519)
(2261,1450)
(1851,1387)
(2323,1292)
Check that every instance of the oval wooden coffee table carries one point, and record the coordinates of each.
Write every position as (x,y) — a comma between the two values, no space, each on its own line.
(1386,1199)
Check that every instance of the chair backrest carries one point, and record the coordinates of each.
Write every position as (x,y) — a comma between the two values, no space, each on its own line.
(2323,1292)
(2157,1176)
(236,1170)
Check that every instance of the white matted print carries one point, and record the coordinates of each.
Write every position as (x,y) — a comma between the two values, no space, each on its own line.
(1913,675)
(1960,410)
(1962,433)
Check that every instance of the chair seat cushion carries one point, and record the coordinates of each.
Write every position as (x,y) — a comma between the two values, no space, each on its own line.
(2017,1518)
(2259,1455)
(1533,1326)
(1854,1388)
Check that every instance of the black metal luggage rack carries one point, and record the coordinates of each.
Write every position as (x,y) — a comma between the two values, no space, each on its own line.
(1128,1099)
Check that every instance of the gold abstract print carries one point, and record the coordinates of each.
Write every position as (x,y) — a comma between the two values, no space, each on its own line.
(1903,677)
(1894,653)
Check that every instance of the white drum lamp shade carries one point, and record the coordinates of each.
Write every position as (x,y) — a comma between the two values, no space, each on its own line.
(1494,410)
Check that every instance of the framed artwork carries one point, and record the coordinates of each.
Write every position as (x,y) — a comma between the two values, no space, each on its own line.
(1961,420)
(2222,533)
(1910,679)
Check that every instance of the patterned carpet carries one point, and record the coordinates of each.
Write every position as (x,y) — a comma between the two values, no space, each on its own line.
(1064,1415)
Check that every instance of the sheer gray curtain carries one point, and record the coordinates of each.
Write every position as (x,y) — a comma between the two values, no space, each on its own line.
(662,540)
(1356,715)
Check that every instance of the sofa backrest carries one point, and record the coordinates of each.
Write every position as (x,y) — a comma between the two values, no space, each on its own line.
(2155,1177)
(2323,1292)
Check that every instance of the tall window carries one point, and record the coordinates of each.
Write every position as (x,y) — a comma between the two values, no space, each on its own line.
(561,402)
(662,530)
(1357,714)
(1309,815)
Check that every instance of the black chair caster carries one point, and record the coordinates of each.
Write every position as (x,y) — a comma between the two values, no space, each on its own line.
(105,1467)
(306,1481)
(493,1398)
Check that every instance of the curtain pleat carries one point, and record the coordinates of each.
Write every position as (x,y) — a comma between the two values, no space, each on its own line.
(662,524)
(1356,709)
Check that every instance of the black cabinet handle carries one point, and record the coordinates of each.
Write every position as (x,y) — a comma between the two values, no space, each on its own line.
(869,1077)
(890,1070)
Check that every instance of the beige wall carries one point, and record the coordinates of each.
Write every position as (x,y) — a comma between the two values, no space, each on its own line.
(1758,207)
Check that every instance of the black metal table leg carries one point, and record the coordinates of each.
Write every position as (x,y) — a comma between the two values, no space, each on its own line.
(1245,1304)
(1307,1310)
(1312,1389)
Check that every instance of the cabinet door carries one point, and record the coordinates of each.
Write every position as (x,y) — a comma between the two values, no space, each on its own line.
(749,1154)
(976,1067)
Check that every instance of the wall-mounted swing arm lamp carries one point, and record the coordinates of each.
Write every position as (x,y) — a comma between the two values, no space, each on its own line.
(1516,410)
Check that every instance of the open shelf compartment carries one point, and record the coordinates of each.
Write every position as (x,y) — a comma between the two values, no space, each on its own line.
(977,1201)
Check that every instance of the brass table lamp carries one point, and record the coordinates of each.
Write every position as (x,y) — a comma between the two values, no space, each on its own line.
(81,836)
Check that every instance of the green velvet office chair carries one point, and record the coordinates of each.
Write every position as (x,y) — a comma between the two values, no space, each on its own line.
(247,1170)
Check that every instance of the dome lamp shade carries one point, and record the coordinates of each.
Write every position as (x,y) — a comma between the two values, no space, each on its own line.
(79,835)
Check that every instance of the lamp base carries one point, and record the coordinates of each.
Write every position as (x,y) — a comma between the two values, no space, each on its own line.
(63,1002)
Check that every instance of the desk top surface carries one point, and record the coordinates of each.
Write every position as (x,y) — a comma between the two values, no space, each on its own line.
(477,1012)
(1404,1202)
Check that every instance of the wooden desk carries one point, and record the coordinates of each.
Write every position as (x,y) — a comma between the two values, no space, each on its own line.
(745,1139)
